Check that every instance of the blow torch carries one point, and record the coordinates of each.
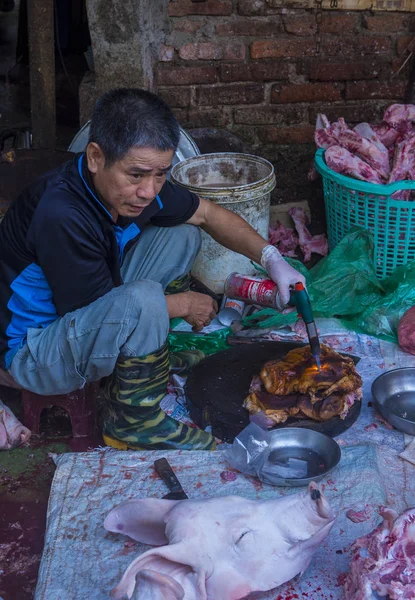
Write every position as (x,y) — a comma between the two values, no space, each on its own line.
(301,301)
(256,290)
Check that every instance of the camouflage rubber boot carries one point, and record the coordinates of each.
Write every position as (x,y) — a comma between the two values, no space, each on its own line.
(178,285)
(134,419)
(184,360)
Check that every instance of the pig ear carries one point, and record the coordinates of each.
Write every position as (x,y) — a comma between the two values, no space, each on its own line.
(142,520)
(151,585)
(174,558)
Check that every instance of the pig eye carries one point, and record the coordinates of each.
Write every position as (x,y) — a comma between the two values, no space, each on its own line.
(242,536)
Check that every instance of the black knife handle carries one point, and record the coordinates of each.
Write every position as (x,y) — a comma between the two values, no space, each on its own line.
(166,473)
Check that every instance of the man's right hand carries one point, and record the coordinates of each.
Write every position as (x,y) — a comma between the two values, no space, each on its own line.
(197,309)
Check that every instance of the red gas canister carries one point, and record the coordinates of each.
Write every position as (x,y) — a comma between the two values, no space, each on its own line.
(252,290)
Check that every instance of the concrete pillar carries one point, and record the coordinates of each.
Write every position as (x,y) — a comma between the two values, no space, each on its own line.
(42,72)
(126,36)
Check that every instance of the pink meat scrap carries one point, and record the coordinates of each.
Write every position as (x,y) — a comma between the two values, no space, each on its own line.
(308,243)
(387,134)
(360,146)
(342,161)
(284,238)
(383,562)
(324,134)
(399,115)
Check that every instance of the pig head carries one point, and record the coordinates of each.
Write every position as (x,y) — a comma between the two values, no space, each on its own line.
(221,548)
(12,432)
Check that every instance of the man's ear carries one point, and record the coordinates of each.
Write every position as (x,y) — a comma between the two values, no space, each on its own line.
(95,157)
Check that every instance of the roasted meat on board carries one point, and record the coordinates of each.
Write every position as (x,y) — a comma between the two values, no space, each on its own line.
(295,387)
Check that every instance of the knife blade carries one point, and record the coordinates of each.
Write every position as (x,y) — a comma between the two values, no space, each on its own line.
(167,474)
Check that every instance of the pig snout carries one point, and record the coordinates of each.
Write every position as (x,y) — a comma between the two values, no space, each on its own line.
(321,505)
(315,494)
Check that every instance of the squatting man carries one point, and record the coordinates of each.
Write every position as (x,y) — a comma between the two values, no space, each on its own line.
(95,260)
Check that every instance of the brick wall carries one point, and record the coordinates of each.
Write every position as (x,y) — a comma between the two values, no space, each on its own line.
(253,70)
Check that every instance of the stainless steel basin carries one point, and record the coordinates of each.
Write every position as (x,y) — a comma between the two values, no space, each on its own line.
(294,448)
(393,393)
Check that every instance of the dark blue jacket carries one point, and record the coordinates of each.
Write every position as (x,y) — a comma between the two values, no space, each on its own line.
(60,249)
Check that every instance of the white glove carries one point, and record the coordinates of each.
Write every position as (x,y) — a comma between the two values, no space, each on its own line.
(282,273)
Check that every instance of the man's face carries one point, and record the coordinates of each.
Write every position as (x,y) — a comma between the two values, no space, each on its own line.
(129,185)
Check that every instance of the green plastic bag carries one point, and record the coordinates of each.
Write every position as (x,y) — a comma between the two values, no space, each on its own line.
(383,317)
(343,285)
(209,343)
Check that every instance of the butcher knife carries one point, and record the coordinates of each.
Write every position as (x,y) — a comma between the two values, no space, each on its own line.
(167,474)
(300,299)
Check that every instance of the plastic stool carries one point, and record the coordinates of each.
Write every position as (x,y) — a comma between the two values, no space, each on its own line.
(80,406)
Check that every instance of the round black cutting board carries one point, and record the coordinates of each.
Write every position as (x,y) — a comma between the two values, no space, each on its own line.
(218,385)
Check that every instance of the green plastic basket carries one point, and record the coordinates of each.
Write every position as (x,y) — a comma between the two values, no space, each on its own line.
(351,202)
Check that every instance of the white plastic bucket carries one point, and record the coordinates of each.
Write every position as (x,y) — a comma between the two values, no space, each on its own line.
(241,183)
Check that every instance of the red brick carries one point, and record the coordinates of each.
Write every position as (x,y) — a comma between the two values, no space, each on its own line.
(300,25)
(405,44)
(186,75)
(255,71)
(299,134)
(348,46)
(270,115)
(338,23)
(270,70)
(211,51)
(343,71)
(176,97)
(306,92)
(252,27)
(166,53)
(245,133)
(183,8)
(181,114)
(235,94)
(396,65)
(283,48)
(370,112)
(236,72)
(187,26)
(250,8)
(366,90)
(210,117)
(389,23)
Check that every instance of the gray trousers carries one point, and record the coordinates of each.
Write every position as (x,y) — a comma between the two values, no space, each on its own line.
(131,320)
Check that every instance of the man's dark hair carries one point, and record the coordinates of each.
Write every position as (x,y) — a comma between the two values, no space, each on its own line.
(128,117)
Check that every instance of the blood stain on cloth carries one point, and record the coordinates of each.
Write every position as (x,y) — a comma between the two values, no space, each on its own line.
(228,476)
(257,484)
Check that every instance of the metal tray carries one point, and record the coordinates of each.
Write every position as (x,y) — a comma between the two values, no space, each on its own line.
(319,451)
(393,393)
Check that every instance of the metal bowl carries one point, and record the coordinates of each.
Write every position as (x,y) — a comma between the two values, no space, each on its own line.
(298,456)
(393,393)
